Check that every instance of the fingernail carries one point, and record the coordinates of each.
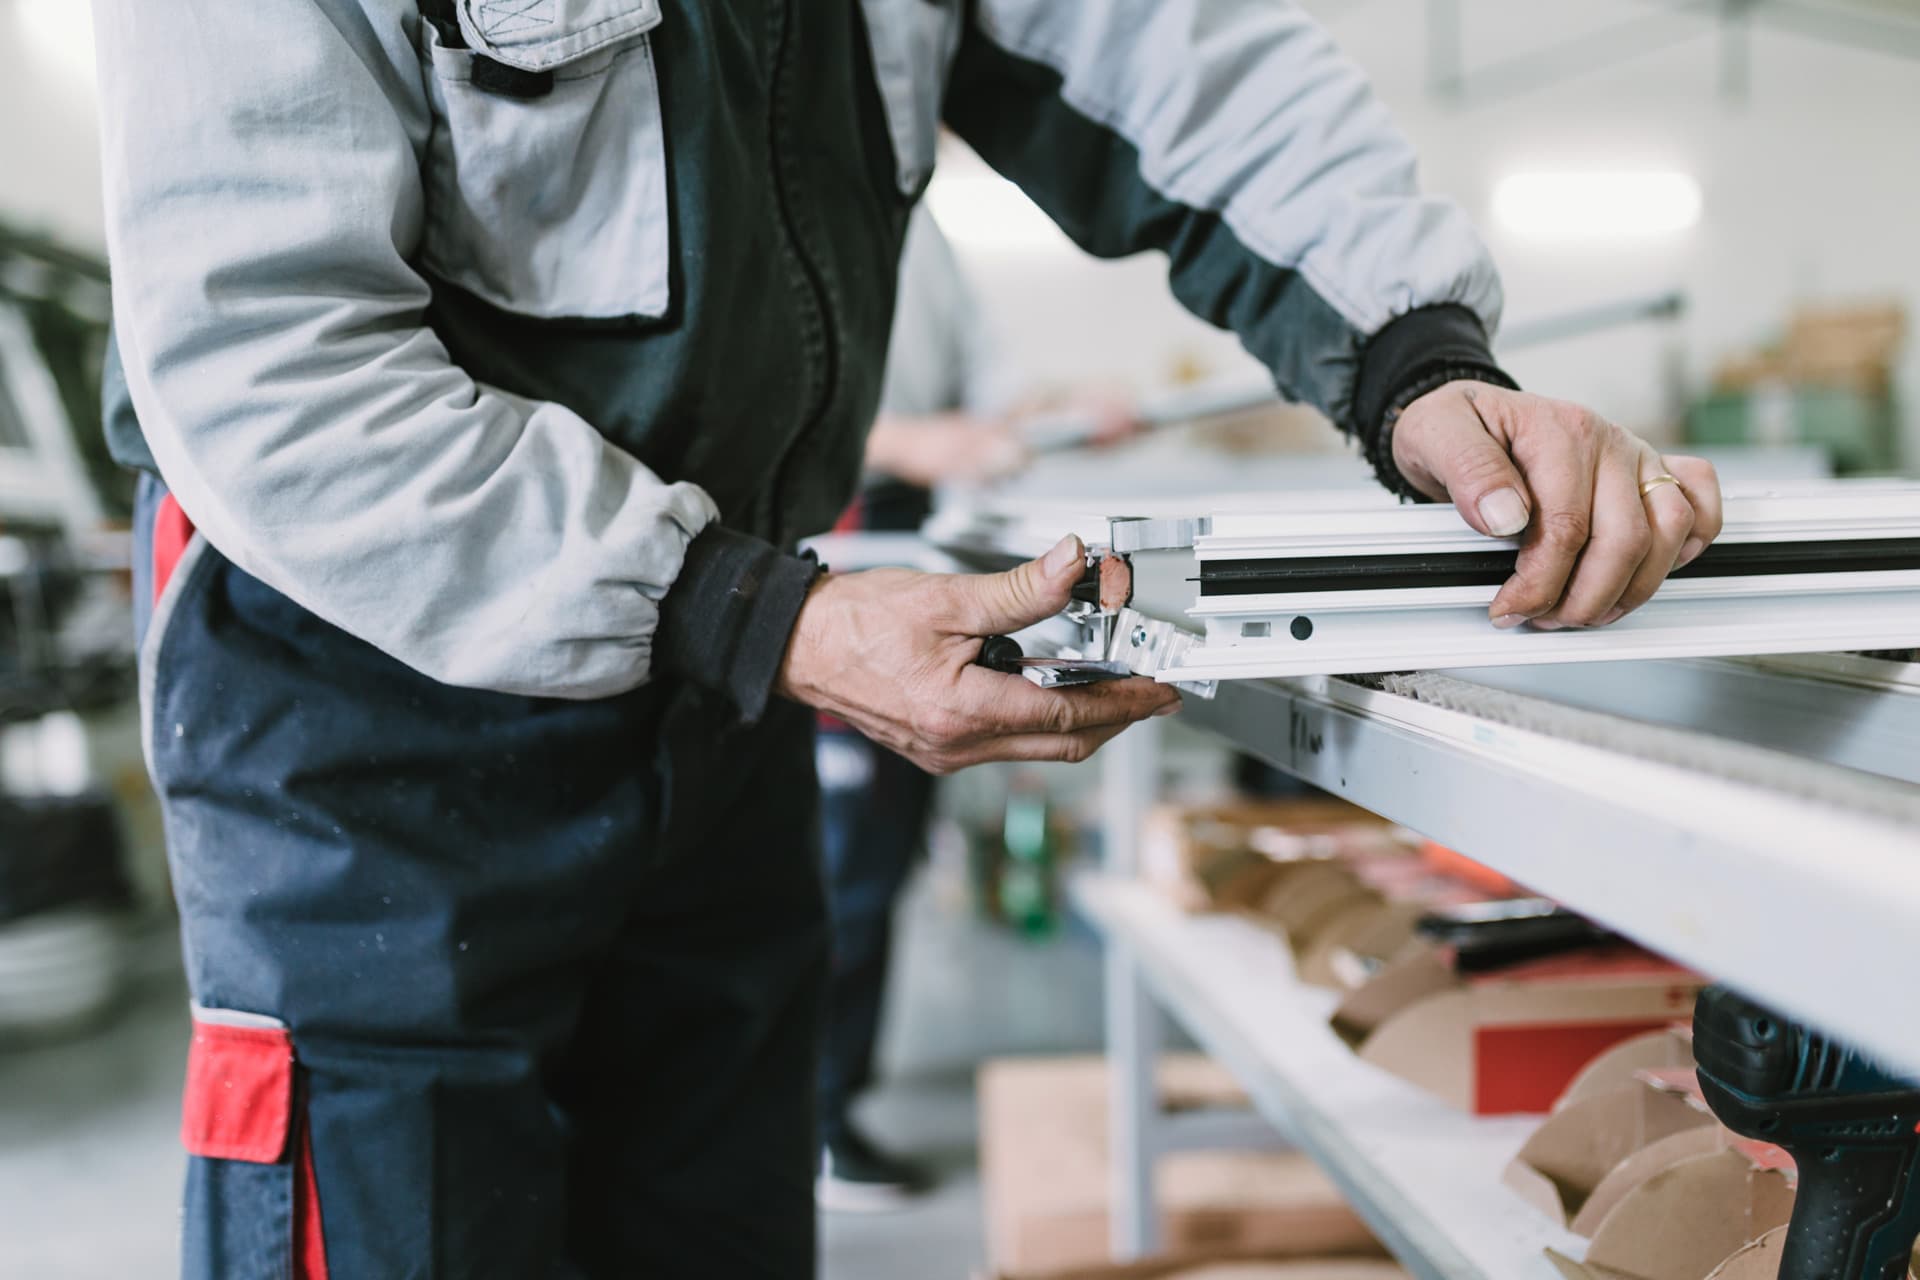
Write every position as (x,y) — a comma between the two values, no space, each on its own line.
(1508,621)
(1539,625)
(1064,553)
(1171,708)
(1689,552)
(1612,616)
(1504,511)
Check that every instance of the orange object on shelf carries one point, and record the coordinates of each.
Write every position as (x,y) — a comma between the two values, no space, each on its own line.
(1444,861)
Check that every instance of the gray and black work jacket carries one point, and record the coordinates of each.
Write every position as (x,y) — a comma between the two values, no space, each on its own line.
(515,337)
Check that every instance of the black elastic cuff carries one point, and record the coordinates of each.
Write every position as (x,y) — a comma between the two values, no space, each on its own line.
(1410,347)
(1379,449)
(1418,352)
(724,625)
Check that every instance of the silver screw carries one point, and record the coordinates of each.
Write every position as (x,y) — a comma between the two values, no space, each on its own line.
(1139,637)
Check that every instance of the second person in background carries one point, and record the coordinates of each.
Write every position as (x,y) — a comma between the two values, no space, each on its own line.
(943,420)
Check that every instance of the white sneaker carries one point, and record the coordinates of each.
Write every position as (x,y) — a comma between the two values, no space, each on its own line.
(858,1177)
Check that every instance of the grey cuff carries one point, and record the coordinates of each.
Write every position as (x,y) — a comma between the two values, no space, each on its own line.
(724,624)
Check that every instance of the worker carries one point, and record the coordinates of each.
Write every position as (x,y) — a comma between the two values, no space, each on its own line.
(945,418)
(485,360)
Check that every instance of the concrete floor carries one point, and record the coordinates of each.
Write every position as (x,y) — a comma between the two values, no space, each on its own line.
(963,992)
(90,1166)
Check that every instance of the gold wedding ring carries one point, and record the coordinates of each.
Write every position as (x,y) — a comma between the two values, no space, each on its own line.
(1663,478)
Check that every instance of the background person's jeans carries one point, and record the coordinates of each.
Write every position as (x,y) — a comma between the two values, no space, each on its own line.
(874,811)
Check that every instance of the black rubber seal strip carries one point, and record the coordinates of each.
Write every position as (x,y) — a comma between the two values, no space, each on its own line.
(1491,568)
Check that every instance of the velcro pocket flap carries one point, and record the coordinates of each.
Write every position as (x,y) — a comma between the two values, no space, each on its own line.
(239,1096)
(539,35)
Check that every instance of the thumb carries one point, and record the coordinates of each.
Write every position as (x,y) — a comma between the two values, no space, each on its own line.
(1458,451)
(994,603)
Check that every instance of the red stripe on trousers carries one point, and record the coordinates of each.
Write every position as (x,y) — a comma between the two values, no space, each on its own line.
(309,1246)
(172,531)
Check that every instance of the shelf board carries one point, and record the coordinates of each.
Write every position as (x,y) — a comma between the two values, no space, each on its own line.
(1425,1177)
(1700,866)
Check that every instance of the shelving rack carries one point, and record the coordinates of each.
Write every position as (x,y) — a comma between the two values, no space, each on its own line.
(1805,894)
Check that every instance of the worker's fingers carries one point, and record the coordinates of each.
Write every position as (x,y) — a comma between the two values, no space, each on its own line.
(1619,539)
(992,603)
(1512,462)
(1445,446)
(1063,748)
(1006,706)
(1670,516)
(1005,717)
(1558,459)
(1701,484)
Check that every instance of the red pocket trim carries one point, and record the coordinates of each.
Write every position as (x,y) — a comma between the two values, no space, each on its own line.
(309,1245)
(239,1096)
(172,531)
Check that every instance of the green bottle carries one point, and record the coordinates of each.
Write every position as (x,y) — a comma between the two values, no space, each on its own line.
(1026,875)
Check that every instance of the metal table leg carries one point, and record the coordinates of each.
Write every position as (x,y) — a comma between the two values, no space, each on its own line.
(1130,779)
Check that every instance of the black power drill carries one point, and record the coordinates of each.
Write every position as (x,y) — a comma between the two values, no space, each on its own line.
(1852,1128)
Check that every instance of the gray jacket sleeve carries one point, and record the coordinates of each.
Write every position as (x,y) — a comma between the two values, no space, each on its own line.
(264,202)
(1232,135)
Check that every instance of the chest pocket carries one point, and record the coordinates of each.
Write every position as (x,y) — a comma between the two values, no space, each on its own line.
(545,173)
(913,44)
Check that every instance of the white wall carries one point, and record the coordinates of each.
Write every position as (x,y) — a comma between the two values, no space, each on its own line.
(1812,190)
(49,151)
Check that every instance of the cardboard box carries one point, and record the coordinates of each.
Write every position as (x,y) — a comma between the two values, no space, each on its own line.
(1044,1169)
(1340,886)
(1634,1160)
(1511,1040)
(1305,897)
(1220,857)
(1757,1261)
(1827,382)
(1340,928)
(1719,1215)
(1346,920)
(1588,1155)
(1851,346)
(1357,943)
(1846,345)
(1668,1049)
(1662,1190)
(1685,1221)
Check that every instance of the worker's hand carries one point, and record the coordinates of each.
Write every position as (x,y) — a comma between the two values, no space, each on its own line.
(1595,546)
(951,448)
(1113,416)
(891,652)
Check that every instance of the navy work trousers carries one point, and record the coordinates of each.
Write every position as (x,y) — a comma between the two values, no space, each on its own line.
(484,985)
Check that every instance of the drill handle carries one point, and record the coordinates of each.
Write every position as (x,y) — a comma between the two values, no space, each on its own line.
(1855,1215)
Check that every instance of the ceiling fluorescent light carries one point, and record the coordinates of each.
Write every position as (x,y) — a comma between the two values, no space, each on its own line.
(1597,206)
